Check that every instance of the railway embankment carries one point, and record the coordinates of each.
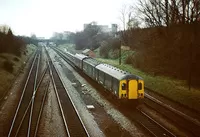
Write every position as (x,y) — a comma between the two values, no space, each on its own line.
(10,67)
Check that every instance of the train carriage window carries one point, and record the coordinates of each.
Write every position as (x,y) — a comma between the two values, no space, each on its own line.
(123,86)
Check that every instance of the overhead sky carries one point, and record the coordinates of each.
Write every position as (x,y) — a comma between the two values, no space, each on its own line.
(43,17)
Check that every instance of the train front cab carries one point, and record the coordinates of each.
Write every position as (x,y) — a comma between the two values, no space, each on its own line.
(131,89)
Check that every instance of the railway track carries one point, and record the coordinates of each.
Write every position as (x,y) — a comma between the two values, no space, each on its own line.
(72,121)
(184,121)
(153,127)
(26,118)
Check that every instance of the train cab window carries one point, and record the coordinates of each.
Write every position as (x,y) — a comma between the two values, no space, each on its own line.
(123,86)
(139,86)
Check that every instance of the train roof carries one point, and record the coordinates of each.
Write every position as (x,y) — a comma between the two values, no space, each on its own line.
(69,53)
(80,56)
(93,62)
(115,72)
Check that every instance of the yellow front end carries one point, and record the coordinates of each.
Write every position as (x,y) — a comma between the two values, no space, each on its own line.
(131,89)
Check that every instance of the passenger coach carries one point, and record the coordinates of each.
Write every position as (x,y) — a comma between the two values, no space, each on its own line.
(89,67)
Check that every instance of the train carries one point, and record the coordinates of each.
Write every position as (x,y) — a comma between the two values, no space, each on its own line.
(122,84)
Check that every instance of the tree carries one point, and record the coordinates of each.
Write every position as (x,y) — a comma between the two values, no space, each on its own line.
(10,43)
(133,23)
(124,12)
(90,37)
(71,37)
(57,36)
(33,36)
(169,12)
(129,21)
(104,49)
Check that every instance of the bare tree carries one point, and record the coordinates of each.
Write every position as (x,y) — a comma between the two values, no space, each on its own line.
(129,21)
(169,12)
(123,16)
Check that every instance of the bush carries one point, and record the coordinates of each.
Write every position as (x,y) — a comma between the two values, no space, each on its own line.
(129,60)
(104,49)
(3,56)
(8,66)
(114,54)
(16,59)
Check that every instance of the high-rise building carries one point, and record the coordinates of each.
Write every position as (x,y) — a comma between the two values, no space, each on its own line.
(114,28)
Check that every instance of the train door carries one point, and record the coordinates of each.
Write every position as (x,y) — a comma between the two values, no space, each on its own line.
(132,89)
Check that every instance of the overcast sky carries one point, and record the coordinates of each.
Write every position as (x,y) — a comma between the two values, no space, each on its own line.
(43,17)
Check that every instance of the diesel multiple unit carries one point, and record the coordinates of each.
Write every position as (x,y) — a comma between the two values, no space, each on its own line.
(120,83)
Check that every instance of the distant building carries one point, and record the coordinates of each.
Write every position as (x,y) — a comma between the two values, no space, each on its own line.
(114,28)
(88,52)
(104,28)
(41,38)
(92,23)
(85,26)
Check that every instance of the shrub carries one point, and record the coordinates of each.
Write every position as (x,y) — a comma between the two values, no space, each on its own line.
(114,54)
(8,66)
(129,60)
(104,49)
(16,59)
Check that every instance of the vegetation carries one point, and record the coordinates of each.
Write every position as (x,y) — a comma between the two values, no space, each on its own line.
(169,12)
(91,37)
(110,48)
(13,54)
(172,51)
(10,43)
(169,45)
(10,66)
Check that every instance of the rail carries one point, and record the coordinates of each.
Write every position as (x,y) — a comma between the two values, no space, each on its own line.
(72,121)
